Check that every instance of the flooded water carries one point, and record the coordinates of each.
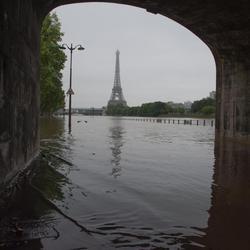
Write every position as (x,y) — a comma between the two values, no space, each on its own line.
(115,183)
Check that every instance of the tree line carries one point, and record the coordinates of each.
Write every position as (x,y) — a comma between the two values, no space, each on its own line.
(203,107)
(146,109)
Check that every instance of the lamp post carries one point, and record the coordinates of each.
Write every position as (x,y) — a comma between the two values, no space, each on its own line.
(70,92)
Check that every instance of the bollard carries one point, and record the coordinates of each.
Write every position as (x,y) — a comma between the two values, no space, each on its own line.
(204,122)
(197,122)
(190,122)
(212,123)
(173,121)
(168,120)
(178,121)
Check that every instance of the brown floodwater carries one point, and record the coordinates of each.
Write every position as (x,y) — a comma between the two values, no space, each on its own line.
(115,183)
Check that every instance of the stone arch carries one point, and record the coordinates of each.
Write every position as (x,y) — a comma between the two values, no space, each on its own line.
(223,27)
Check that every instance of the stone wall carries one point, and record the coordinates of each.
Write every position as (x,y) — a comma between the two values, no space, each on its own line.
(233,95)
(19,88)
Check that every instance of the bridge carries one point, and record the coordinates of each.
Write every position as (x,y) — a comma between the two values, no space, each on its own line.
(222,25)
(88,111)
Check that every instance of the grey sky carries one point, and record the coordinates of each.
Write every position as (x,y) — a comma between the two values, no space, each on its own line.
(160,59)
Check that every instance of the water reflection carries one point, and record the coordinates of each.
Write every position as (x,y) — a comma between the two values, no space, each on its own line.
(52,127)
(116,141)
(55,143)
(229,214)
(30,213)
(229,221)
(116,220)
(33,209)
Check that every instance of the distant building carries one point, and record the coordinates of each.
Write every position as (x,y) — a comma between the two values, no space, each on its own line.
(86,111)
(175,105)
(212,94)
(187,105)
(91,111)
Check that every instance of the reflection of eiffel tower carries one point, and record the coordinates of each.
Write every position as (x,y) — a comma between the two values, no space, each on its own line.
(117,95)
(117,133)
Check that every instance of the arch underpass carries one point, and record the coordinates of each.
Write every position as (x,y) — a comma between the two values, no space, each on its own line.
(222,25)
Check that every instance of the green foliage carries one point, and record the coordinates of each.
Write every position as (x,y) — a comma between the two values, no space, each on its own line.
(133,111)
(154,109)
(116,110)
(208,110)
(179,110)
(197,106)
(52,60)
(205,106)
(147,109)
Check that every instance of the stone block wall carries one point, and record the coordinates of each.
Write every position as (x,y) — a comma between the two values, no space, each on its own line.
(19,88)
(233,99)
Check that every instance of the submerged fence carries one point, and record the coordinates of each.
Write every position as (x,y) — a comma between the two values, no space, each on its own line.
(199,122)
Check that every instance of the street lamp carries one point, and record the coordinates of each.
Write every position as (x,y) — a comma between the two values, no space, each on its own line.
(70,92)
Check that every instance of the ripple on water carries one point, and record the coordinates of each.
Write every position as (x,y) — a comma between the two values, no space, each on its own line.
(132,185)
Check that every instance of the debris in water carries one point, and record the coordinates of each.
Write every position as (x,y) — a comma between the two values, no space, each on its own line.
(84,194)
(18,230)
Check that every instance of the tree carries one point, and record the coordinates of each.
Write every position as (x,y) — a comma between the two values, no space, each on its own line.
(153,109)
(52,60)
(208,110)
(179,110)
(118,109)
(197,106)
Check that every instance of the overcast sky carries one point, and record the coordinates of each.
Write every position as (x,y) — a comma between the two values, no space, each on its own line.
(160,60)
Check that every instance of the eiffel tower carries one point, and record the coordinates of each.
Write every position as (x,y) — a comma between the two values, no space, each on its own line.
(117,95)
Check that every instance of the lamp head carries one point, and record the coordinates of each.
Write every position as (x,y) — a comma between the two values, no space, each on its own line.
(62,47)
(80,48)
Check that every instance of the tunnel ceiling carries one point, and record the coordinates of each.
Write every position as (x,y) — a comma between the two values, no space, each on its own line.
(222,25)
